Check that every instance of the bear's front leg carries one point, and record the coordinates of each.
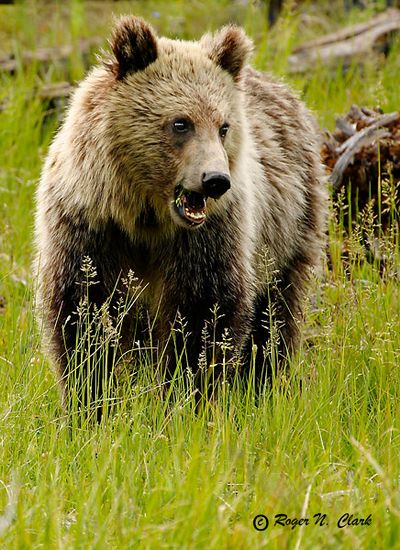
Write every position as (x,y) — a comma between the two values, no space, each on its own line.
(204,337)
(85,302)
(275,331)
(85,342)
(206,305)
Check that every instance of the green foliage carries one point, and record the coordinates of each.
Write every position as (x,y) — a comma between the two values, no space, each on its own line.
(160,472)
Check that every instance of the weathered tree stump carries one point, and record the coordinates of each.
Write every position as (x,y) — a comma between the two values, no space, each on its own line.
(363,156)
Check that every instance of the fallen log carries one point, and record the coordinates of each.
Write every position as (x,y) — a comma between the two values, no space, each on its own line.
(58,54)
(363,152)
(56,91)
(54,95)
(347,46)
(362,156)
(367,137)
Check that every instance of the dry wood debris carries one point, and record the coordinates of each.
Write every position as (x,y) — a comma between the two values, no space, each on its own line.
(363,150)
(350,45)
(59,54)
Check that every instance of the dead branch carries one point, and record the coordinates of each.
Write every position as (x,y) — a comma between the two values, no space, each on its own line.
(361,155)
(10,63)
(346,46)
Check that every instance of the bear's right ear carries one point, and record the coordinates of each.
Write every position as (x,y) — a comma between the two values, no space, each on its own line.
(134,44)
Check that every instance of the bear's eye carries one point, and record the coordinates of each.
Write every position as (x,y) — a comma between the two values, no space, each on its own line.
(224,130)
(182,125)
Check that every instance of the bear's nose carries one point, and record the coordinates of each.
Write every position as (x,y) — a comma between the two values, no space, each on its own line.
(215,184)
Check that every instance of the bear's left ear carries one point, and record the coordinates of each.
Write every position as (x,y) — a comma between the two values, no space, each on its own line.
(229,48)
(134,44)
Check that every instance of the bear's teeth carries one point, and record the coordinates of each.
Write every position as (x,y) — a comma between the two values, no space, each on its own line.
(194,215)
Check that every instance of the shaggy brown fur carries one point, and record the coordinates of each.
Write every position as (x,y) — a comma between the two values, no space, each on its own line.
(109,185)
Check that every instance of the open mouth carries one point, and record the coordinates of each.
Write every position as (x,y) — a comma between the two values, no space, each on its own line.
(190,206)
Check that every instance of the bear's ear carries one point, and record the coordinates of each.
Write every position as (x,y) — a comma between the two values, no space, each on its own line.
(134,44)
(229,48)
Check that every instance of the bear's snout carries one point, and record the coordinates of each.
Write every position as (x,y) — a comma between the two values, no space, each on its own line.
(215,184)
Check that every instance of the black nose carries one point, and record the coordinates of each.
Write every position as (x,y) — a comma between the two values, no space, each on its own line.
(215,184)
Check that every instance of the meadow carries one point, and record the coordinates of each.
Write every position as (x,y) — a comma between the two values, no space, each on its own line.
(157,473)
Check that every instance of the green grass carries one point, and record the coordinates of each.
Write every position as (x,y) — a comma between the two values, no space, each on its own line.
(156,474)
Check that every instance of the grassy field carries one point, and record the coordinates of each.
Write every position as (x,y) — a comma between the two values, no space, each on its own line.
(325,440)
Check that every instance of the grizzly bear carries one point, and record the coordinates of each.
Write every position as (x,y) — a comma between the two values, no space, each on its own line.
(179,162)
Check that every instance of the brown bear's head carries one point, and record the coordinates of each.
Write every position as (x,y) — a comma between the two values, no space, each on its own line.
(171,123)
